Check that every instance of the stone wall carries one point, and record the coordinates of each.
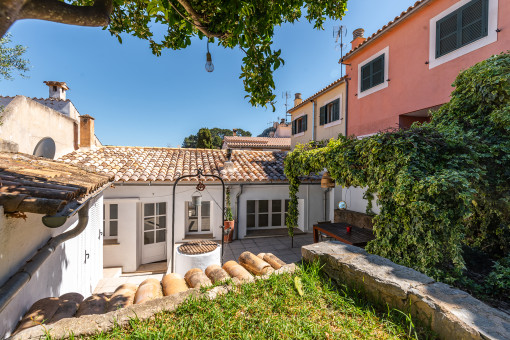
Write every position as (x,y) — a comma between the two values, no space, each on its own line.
(353,217)
(450,312)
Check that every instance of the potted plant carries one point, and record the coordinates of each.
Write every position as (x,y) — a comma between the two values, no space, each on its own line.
(229,219)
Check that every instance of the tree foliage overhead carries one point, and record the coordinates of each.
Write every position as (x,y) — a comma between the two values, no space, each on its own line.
(248,25)
(217,135)
(11,59)
(441,186)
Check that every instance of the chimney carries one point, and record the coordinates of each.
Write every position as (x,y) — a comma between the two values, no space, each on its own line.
(86,131)
(282,121)
(357,37)
(57,89)
(234,132)
(297,99)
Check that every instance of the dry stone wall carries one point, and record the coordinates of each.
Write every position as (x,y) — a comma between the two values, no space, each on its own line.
(450,312)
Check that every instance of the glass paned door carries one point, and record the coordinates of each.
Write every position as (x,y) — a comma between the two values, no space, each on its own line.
(154,232)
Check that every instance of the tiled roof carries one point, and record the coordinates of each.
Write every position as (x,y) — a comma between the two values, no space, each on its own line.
(151,164)
(391,24)
(43,186)
(257,142)
(315,95)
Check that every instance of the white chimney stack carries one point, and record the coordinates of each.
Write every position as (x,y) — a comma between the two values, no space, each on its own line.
(57,89)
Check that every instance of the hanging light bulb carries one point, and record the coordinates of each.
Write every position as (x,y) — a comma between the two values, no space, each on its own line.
(209,67)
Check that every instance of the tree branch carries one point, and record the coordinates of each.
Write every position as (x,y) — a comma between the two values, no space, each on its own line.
(197,20)
(57,11)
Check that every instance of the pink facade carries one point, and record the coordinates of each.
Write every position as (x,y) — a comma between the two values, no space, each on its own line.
(415,78)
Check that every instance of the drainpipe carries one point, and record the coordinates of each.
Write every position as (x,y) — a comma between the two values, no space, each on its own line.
(236,229)
(9,290)
(346,102)
(313,119)
(326,203)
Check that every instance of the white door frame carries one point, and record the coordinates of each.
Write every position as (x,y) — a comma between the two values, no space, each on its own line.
(156,251)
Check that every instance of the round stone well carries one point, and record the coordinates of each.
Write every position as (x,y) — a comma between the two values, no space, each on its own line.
(197,254)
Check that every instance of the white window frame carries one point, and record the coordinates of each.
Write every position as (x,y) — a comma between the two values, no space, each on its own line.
(491,37)
(302,133)
(269,213)
(383,85)
(107,220)
(199,219)
(340,114)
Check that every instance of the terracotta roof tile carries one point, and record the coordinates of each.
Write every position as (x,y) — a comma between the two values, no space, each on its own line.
(237,142)
(304,102)
(390,24)
(143,164)
(43,186)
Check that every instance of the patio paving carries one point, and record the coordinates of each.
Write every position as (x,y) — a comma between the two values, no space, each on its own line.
(279,246)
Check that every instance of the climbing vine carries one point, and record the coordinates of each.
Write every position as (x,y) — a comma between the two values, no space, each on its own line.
(440,186)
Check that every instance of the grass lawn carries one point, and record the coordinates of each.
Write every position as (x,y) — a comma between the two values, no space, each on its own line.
(273,309)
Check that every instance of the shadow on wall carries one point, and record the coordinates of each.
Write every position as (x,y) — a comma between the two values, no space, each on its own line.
(47,282)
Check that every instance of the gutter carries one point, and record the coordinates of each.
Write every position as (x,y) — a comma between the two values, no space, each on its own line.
(16,282)
(346,104)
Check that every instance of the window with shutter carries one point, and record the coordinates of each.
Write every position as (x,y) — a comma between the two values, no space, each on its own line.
(372,74)
(293,127)
(462,27)
(322,118)
(299,124)
(305,122)
(336,110)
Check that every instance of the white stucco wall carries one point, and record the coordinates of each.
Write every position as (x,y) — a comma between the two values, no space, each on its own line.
(66,270)
(26,122)
(353,197)
(130,198)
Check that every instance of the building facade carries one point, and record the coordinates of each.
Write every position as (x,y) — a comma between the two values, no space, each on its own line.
(405,69)
(321,116)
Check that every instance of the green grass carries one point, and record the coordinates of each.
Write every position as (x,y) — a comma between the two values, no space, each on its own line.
(273,309)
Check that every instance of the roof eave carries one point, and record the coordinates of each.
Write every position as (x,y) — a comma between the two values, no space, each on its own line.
(386,29)
(318,94)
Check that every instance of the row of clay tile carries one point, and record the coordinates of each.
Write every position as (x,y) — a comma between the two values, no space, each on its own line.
(52,309)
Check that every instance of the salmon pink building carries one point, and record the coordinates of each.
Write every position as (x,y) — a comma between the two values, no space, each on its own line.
(405,69)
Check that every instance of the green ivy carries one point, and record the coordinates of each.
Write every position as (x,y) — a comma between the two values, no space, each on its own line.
(439,185)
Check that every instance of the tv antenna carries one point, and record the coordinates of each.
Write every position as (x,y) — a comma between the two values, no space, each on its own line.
(338,33)
(286,95)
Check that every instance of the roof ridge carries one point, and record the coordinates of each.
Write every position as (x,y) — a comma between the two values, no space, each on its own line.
(304,102)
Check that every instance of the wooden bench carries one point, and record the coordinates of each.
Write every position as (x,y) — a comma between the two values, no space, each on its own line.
(357,236)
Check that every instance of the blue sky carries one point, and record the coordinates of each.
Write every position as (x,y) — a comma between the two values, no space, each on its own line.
(139,99)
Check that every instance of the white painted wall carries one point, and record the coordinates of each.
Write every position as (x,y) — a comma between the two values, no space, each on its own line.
(26,122)
(353,197)
(66,270)
(127,253)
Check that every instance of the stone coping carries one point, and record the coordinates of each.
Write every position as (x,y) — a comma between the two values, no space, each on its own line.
(88,325)
(450,312)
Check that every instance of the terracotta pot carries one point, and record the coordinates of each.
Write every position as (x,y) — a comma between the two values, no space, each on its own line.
(228,238)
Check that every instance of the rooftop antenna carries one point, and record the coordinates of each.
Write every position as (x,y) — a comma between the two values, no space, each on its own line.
(338,33)
(286,95)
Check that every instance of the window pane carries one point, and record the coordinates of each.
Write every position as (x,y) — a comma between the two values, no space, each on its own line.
(276,220)
(206,224)
(161,222)
(160,235)
(263,220)
(148,209)
(104,213)
(148,223)
(276,205)
(148,237)
(192,211)
(206,209)
(193,225)
(113,228)
(114,211)
(250,206)
(161,208)
(287,202)
(250,221)
(263,206)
